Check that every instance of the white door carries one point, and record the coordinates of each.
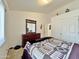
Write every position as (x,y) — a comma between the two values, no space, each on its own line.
(65,28)
(70,29)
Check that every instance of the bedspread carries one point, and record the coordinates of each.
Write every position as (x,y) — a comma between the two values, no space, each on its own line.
(51,49)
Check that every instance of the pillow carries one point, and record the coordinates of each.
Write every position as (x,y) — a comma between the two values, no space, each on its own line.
(50,40)
(57,41)
(27,46)
(64,46)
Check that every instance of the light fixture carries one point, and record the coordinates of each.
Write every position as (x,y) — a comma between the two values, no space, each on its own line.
(44,2)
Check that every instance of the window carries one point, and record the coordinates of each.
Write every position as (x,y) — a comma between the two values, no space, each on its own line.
(1,23)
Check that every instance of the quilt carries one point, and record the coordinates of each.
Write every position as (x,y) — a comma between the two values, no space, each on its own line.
(50,49)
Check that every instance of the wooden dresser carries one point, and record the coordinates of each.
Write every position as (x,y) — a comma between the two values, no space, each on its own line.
(31,37)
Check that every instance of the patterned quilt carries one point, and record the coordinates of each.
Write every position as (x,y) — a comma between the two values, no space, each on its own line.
(50,49)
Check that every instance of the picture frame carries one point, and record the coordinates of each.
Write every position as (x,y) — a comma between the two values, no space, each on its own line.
(41,26)
(49,27)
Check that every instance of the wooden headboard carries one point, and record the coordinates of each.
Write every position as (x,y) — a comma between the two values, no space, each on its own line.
(31,37)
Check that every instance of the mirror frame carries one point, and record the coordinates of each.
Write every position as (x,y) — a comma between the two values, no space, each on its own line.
(32,22)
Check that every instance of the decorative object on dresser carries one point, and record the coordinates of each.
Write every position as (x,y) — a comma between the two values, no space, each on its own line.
(31,37)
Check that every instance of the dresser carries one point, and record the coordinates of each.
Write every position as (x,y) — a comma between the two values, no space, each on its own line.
(31,37)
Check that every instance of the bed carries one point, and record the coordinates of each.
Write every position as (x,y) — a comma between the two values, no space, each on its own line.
(49,49)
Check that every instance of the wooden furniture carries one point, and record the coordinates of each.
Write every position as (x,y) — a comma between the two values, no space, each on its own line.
(31,37)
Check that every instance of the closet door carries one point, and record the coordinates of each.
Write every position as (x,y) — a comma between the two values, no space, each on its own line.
(70,29)
(56,27)
(65,28)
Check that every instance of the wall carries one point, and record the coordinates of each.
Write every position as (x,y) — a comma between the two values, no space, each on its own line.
(72,6)
(16,25)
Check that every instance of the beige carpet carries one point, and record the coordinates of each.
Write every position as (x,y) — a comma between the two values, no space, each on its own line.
(15,54)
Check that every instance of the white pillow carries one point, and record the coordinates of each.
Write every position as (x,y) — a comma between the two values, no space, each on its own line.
(64,46)
(57,41)
(27,46)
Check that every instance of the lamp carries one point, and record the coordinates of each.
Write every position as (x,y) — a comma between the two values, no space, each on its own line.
(44,2)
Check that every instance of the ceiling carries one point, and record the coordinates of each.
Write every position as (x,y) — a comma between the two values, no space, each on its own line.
(33,6)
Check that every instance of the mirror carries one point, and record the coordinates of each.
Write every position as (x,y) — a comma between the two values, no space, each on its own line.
(30,26)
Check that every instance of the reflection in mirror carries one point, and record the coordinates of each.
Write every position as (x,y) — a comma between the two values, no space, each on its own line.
(30,26)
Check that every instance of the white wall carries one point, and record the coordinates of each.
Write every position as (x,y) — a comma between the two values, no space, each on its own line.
(72,6)
(16,25)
